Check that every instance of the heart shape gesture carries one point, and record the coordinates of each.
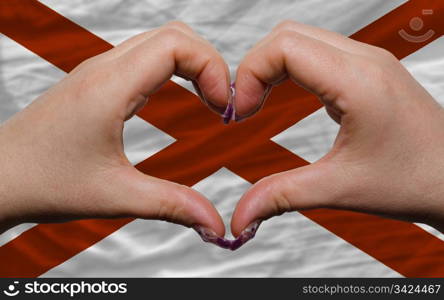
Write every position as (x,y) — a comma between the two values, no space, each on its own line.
(67,148)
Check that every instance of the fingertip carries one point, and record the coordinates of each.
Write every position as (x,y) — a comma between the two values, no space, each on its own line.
(238,223)
(153,198)
(250,208)
(250,94)
(202,212)
(214,85)
(309,187)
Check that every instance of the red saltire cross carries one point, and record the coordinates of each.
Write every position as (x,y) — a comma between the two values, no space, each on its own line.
(204,145)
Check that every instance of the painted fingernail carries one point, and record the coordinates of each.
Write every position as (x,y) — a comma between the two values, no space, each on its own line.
(223,243)
(247,234)
(236,244)
(260,105)
(230,112)
(206,234)
(210,236)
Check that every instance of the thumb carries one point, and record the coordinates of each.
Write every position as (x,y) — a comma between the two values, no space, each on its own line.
(309,187)
(142,196)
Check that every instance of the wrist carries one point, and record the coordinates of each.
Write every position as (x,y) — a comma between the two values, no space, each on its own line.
(10,187)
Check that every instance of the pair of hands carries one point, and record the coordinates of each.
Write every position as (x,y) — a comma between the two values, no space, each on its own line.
(62,157)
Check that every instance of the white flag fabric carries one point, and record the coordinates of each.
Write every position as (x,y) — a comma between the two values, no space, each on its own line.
(288,245)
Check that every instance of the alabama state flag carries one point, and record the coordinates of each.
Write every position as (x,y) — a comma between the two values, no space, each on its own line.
(42,40)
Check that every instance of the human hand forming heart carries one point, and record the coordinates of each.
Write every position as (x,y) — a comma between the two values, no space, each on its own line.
(67,145)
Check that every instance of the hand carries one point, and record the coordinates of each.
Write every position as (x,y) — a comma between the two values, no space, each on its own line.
(62,157)
(388,157)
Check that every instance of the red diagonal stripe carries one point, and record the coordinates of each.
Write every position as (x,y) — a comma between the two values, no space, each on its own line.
(42,262)
(48,34)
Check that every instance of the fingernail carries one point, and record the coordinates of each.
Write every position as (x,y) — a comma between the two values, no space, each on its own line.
(217,109)
(260,105)
(236,244)
(247,234)
(210,236)
(206,234)
(230,112)
(223,243)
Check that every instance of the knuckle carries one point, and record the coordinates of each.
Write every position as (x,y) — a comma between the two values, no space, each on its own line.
(171,31)
(87,80)
(179,25)
(386,59)
(385,55)
(286,39)
(284,25)
(372,69)
(379,72)
(379,77)
(86,64)
(171,36)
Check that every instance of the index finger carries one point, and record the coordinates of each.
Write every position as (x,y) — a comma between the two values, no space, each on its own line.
(146,66)
(315,65)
